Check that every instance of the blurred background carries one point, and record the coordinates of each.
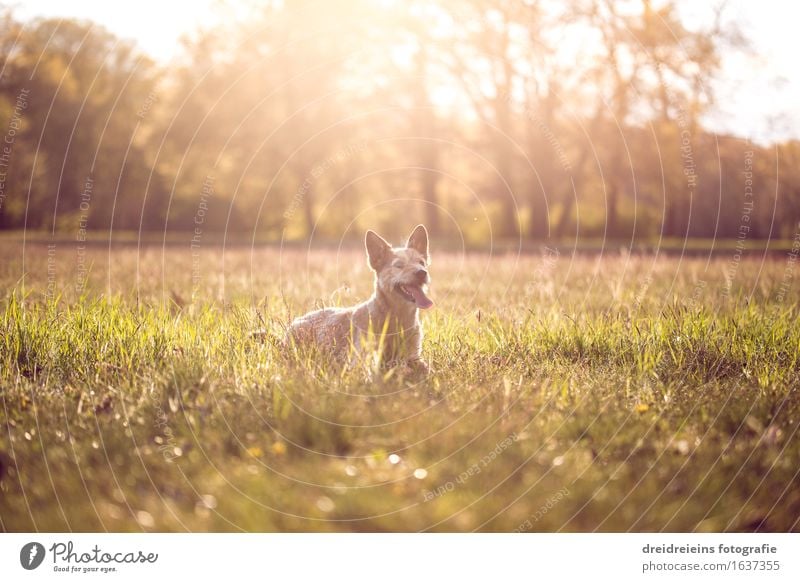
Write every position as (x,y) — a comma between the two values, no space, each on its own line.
(515,120)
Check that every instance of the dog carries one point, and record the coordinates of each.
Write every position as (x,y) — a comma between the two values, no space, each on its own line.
(390,316)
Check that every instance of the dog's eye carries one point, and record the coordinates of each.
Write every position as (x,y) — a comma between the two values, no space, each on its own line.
(397,263)
(422,263)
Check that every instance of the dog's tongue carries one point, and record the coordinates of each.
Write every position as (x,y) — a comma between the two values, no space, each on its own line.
(422,300)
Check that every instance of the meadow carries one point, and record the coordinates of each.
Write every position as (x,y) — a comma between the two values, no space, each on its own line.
(609,391)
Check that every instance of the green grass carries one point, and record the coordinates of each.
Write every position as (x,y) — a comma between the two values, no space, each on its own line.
(586,244)
(570,394)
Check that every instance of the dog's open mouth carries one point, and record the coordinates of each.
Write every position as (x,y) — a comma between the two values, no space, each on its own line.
(415,294)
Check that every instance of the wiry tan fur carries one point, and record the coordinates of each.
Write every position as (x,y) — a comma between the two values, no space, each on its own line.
(386,317)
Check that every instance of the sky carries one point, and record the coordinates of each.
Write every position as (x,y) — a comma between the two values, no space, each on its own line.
(758,95)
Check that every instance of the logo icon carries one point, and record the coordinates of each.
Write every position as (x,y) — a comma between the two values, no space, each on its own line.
(31,555)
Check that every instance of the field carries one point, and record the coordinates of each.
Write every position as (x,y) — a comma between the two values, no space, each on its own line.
(595,392)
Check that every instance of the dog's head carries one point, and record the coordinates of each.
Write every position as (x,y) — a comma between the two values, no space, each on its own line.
(402,273)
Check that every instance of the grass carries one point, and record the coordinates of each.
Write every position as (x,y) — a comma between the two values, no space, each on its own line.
(700,247)
(586,393)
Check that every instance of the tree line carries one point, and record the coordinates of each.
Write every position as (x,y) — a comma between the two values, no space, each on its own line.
(532,119)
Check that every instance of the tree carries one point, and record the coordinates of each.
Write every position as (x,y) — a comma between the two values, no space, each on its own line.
(83,88)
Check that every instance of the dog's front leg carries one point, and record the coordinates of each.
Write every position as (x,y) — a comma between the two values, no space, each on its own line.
(418,365)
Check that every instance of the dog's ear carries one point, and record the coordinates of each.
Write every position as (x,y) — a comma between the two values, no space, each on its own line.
(419,241)
(378,250)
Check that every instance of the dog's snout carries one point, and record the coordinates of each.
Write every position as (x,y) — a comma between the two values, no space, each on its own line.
(422,275)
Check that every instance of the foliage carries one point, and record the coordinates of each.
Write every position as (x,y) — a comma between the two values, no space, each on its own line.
(534,119)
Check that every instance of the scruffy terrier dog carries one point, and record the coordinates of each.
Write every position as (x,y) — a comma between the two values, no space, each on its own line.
(391,315)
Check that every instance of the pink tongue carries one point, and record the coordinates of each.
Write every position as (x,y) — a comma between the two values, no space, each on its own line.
(420,298)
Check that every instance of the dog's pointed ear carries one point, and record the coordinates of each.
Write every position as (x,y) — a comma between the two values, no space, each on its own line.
(378,250)
(419,240)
